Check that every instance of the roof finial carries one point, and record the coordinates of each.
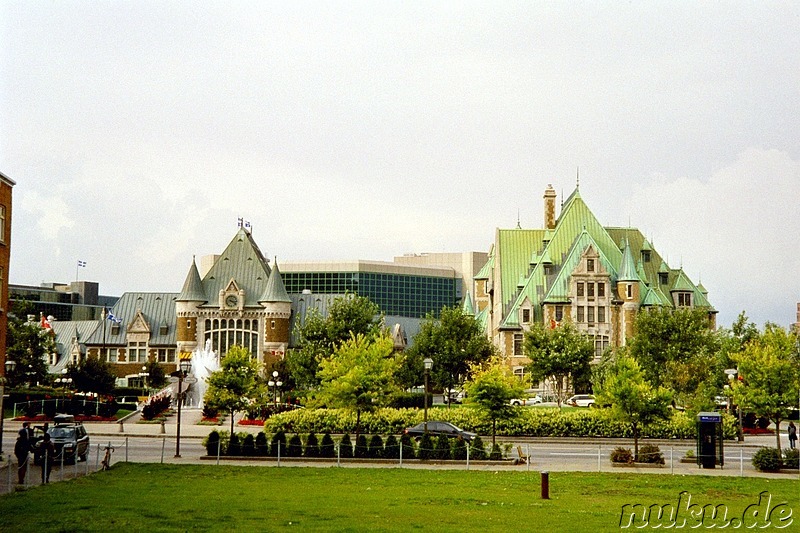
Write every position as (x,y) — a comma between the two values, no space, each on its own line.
(578,179)
(518,225)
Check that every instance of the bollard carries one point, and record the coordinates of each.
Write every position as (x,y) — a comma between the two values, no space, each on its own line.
(126,449)
(401,453)
(219,448)
(122,427)
(163,447)
(163,429)
(545,485)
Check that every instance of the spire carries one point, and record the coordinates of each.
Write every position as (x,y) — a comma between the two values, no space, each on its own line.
(578,178)
(627,268)
(193,286)
(468,308)
(275,291)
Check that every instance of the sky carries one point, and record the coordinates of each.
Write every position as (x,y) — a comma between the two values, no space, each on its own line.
(138,133)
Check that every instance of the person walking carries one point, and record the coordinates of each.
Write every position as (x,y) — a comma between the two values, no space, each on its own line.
(22,450)
(47,450)
(792,435)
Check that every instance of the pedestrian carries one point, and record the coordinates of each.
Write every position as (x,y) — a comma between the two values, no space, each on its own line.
(21,451)
(47,451)
(792,435)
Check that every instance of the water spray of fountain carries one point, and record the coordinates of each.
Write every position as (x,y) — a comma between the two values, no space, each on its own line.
(204,362)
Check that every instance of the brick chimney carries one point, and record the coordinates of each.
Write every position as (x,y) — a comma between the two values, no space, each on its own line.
(549,207)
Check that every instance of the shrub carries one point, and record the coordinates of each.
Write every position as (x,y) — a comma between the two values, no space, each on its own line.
(210,412)
(261,444)
(392,448)
(425,449)
(327,448)
(650,453)
(312,445)
(223,443)
(767,460)
(496,454)
(361,449)
(278,445)
(407,445)
(156,406)
(249,445)
(476,450)
(442,450)
(622,455)
(212,443)
(791,458)
(375,450)
(234,446)
(295,447)
(459,450)
(346,447)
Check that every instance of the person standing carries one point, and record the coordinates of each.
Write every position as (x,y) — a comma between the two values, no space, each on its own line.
(22,449)
(792,435)
(47,450)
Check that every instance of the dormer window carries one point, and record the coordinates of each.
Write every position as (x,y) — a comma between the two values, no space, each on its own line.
(684,299)
(163,329)
(663,278)
(526,316)
(646,256)
(115,329)
(590,265)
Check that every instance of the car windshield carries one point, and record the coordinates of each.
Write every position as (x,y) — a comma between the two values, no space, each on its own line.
(62,433)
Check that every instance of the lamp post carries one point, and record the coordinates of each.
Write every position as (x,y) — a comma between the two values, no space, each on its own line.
(185,365)
(9,366)
(428,362)
(274,384)
(144,375)
(732,373)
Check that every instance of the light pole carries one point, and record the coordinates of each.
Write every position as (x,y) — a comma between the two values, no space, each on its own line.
(144,375)
(185,365)
(274,384)
(9,366)
(428,362)
(732,373)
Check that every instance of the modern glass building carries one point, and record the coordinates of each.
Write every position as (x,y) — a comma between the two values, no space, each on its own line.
(399,290)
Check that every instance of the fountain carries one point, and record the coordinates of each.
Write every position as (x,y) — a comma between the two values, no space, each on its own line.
(204,362)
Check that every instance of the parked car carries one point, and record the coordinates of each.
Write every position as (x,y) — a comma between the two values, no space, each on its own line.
(581,400)
(436,428)
(69,437)
(532,400)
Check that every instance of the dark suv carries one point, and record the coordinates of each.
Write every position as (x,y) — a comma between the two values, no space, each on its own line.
(69,437)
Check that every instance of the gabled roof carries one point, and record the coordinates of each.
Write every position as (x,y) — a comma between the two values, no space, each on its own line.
(486,271)
(559,289)
(242,261)
(154,308)
(682,283)
(275,291)
(64,332)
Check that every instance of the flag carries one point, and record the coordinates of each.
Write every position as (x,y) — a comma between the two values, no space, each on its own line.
(45,323)
(81,263)
(112,318)
(553,324)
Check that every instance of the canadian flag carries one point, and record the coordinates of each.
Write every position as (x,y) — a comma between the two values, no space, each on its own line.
(45,322)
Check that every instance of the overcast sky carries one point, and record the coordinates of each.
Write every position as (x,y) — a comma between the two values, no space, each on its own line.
(138,132)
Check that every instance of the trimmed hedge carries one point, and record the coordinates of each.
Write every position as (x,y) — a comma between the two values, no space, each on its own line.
(540,422)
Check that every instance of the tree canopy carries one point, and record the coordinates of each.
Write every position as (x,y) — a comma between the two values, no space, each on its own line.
(92,375)
(561,354)
(232,387)
(491,388)
(454,341)
(359,375)
(29,345)
(318,336)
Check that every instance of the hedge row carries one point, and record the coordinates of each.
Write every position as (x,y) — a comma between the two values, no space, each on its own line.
(539,422)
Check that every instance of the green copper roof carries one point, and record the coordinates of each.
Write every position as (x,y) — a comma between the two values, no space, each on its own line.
(241,262)
(193,287)
(663,269)
(514,247)
(682,283)
(627,268)
(486,270)
(559,289)
(275,291)
(467,306)
(640,271)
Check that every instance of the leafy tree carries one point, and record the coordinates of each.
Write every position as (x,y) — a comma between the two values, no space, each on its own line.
(675,348)
(492,388)
(92,375)
(562,354)
(318,336)
(632,398)
(769,367)
(359,376)
(29,345)
(156,378)
(454,342)
(231,387)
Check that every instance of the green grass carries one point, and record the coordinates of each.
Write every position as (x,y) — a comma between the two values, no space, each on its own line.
(152,497)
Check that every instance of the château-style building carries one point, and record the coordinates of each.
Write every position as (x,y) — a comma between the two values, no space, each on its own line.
(575,269)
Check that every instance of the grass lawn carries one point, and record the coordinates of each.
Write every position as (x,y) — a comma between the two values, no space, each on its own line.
(153,497)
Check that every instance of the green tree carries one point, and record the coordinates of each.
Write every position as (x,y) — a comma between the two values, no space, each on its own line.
(359,376)
(632,398)
(676,349)
(769,367)
(92,375)
(492,388)
(29,345)
(318,336)
(562,355)
(454,341)
(232,387)
(156,377)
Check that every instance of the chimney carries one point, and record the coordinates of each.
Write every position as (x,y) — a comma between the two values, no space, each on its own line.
(549,207)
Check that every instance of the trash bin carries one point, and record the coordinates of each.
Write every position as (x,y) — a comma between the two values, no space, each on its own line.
(709,440)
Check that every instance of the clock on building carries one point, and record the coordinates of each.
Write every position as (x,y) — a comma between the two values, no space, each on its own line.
(232,300)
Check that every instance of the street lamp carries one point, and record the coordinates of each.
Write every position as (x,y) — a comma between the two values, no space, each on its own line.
(274,384)
(144,375)
(732,373)
(8,368)
(185,365)
(428,362)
